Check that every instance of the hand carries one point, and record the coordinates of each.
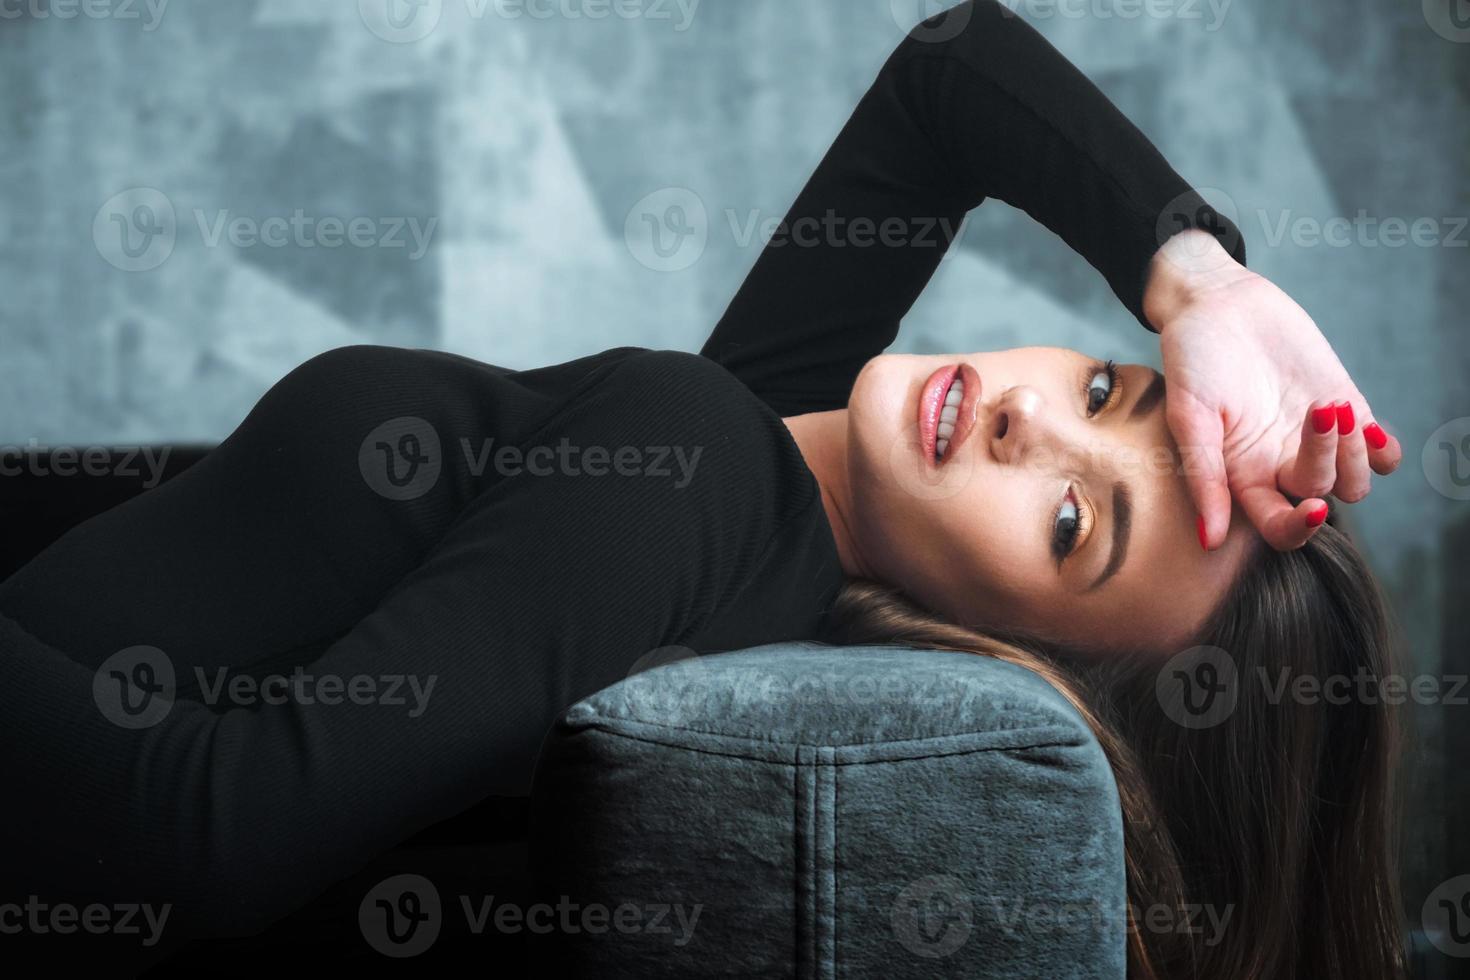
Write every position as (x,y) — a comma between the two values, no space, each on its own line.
(1258,402)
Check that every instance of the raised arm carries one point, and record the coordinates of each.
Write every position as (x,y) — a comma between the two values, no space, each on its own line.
(994,111)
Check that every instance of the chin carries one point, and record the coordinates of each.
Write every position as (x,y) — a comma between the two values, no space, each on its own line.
(882,443)
(885,394)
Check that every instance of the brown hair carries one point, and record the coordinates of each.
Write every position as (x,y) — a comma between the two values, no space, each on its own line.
(1283,812)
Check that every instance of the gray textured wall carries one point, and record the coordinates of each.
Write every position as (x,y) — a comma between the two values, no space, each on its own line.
(516,141)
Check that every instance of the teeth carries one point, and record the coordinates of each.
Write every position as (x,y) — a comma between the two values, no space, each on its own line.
(949,412)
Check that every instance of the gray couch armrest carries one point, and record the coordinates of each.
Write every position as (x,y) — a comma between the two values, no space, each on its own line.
(811,811)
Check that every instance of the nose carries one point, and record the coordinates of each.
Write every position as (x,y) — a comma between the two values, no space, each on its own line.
(1018,423)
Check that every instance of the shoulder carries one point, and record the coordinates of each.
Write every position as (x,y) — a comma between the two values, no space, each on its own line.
(740,457)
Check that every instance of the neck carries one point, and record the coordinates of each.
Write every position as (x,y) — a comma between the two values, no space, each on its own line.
(822,439)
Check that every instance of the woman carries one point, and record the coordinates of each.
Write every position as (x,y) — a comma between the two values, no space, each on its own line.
(506,542)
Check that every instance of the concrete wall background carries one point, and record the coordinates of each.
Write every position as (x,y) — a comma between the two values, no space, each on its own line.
(519,137)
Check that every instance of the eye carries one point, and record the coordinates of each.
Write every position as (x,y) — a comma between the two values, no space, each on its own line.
(1072,518)
(1102,389)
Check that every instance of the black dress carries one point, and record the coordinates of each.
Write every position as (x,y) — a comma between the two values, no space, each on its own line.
(440,555)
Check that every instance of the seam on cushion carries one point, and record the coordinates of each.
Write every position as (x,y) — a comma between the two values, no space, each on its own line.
(804,884)
(816,851)
(827,779)
(604,720)
(1055,736)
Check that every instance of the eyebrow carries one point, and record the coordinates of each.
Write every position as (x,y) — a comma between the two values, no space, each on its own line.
(1122,524)
(1150,398)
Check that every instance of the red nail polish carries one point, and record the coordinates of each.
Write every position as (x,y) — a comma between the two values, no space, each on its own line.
(1344,419)
(1375,435)
(1316,517)
(1199,524)
(1323,419)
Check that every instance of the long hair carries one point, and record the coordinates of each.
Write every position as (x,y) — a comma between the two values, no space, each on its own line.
(1282,814)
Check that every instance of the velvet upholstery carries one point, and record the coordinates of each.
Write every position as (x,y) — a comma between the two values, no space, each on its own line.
(798,810)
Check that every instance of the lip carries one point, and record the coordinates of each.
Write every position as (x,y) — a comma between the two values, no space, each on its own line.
(931,401)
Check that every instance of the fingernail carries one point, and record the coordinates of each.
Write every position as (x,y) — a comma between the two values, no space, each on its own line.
(1316,517)
(1344,418)
(1375,435)
(1323,419)
(1204,541)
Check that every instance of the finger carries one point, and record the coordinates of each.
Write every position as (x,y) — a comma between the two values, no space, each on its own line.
(1384,451)
(1199,434)
(1284,526)
(1354,479)
(1312,472)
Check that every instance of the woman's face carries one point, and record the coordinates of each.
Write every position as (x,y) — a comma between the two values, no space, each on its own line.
(1059,507)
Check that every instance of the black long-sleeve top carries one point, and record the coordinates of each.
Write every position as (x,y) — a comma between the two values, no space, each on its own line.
(544,590)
